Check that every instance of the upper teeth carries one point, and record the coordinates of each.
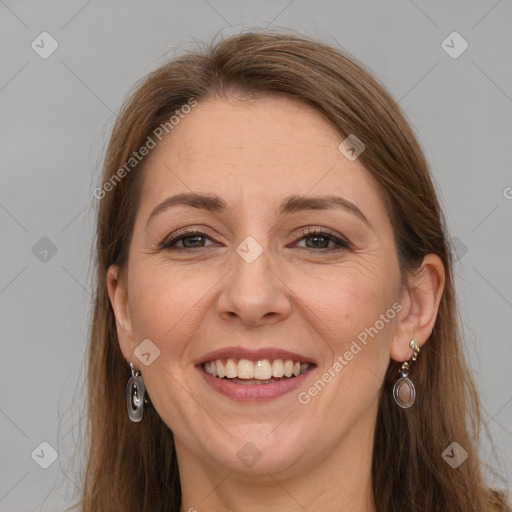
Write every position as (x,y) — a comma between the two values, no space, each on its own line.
(262,369)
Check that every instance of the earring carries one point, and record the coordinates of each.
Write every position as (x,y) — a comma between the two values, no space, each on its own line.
(135,390)
(404,391)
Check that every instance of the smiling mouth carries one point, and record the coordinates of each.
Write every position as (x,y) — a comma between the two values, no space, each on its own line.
(262,371)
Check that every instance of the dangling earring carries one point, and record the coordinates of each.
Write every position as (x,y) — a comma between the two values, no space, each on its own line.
(404,391)
(135,390)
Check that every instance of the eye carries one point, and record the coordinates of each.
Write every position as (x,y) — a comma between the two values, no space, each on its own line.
(313,239)
(186,240)
(318,239)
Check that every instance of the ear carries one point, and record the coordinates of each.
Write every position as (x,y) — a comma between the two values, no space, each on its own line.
(118,295)
(420,301)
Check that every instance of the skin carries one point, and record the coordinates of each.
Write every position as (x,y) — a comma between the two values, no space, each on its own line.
(296,296)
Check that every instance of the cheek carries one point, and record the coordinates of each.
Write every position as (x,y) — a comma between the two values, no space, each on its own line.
(353,311)
(167,305)
(348,297)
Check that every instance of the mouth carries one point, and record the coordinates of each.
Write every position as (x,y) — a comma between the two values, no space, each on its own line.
(262,371)
(254,375)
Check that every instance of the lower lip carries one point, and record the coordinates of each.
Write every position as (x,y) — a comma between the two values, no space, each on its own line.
(254,392)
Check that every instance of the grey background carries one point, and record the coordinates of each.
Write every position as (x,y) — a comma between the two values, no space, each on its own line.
(56,116)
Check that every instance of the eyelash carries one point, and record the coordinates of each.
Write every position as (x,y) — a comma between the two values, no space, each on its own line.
(170,245)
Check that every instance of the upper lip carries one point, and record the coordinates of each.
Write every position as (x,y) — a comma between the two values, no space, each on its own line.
(253,355)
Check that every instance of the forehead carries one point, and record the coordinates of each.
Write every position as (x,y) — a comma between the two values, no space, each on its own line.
(264,149)
(284,129)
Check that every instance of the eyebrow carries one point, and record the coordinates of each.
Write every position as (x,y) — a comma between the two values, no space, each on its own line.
(291,204)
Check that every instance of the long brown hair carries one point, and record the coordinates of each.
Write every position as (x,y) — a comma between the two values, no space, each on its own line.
(133,467)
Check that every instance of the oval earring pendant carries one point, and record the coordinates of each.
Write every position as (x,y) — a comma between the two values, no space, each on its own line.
(135,397)
(404,392)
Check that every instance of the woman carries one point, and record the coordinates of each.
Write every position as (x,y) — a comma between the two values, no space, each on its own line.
(275,320)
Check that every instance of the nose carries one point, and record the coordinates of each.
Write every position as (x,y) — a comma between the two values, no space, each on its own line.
(253,294)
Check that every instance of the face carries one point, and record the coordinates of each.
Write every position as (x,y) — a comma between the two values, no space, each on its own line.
(290,257)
